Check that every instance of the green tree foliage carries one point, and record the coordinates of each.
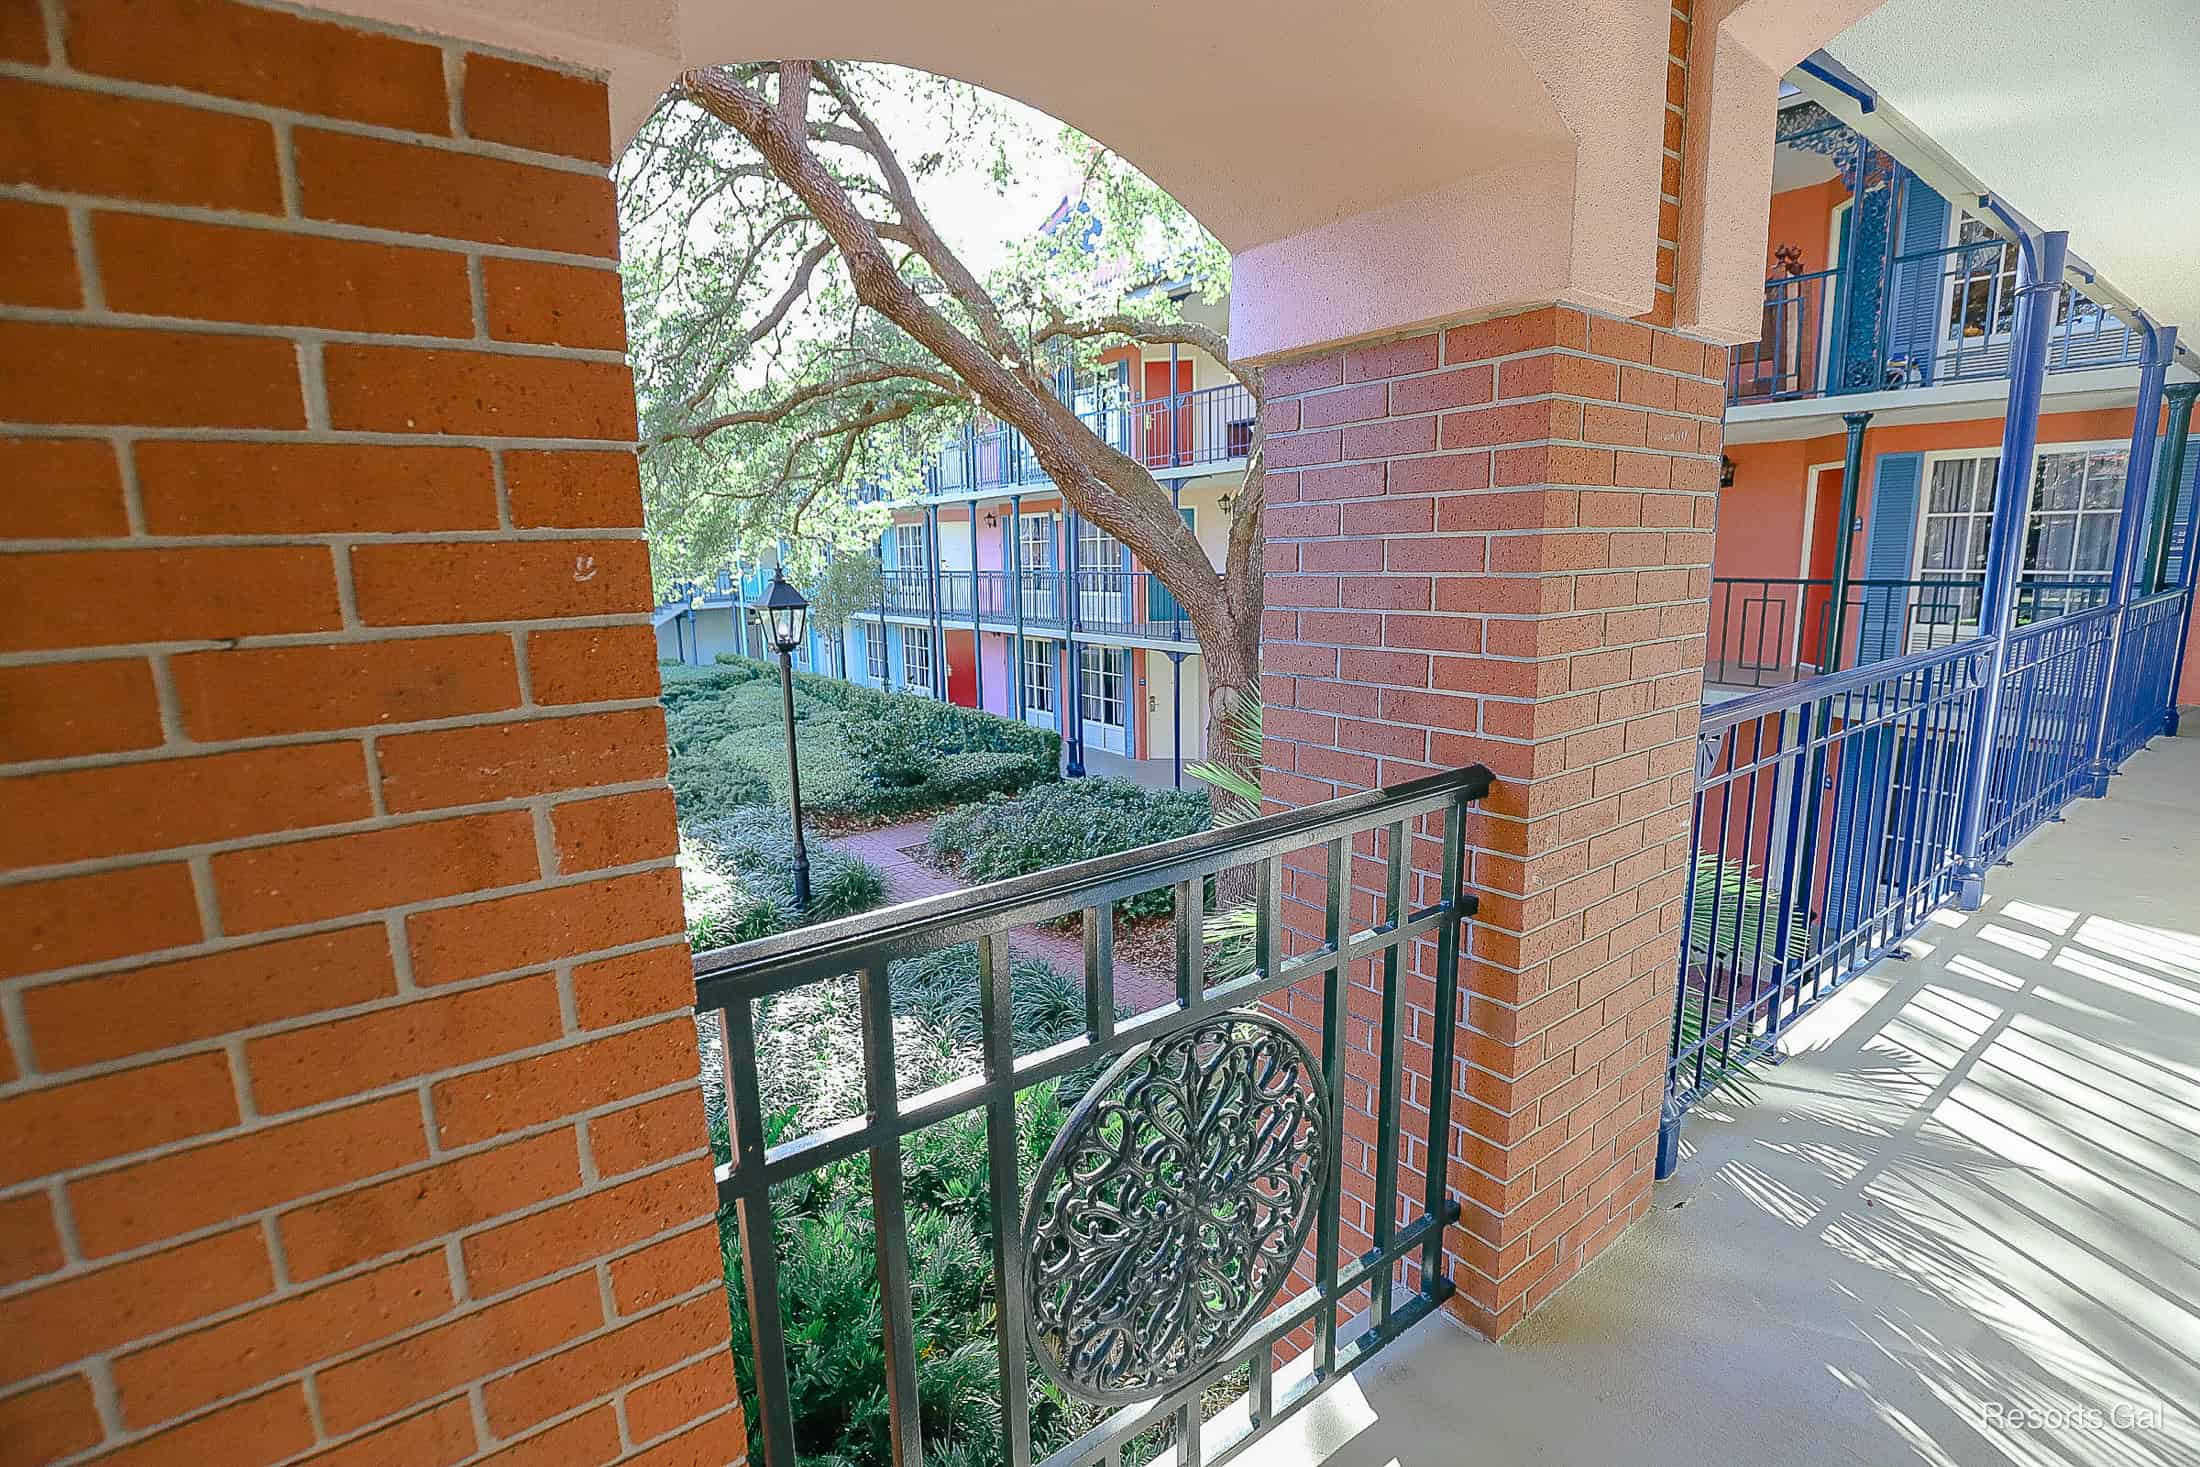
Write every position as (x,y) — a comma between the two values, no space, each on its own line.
(800,324)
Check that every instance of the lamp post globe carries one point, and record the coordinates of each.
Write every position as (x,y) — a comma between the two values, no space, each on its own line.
(785,615)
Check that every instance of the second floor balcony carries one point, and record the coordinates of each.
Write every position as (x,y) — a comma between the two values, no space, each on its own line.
(1207,427)
(1945,316)
(1114,603)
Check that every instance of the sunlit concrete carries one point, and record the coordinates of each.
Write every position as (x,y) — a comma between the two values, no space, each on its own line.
(1959,1225)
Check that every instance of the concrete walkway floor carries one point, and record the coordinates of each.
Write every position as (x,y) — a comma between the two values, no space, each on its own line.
(1960,1224)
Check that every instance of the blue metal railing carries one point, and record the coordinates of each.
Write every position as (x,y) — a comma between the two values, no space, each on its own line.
(1766,631)
(1130,603)
(1946,315)
(1212,425)
(1828,812)
(1792,354)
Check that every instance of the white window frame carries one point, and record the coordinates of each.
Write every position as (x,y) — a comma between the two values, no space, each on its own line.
(1097,669)
(875,660)
(908,552)
(1940,635)
(1043,521)
(916,660)
(1037,676)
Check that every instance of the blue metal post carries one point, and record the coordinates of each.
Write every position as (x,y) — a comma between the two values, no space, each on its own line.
(2160,343)
(1176,718)
(2041,260)
(937,668)
(1073,715)
(2180,426)
(977,634)
(740,611)
(1013,558)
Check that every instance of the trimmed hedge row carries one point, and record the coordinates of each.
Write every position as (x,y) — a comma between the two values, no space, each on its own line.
(865,753)
(1074,820)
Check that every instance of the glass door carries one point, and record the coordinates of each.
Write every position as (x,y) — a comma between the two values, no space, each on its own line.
(1102,678)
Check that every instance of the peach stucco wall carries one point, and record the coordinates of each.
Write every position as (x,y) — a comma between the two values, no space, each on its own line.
(1803,217)
(1518,153)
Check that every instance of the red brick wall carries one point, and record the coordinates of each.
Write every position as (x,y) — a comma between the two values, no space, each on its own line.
(347,1091)
(1492,544)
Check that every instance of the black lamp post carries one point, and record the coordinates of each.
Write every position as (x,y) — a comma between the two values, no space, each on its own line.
(785,612)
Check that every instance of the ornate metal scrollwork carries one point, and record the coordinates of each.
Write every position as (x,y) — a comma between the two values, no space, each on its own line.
(1170,1210)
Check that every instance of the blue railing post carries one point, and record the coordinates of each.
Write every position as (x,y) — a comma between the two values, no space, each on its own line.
(1073,692)
(936,671)
(2180,427)
(2161,345)
(2042,256)
(1013,558)
(977,634)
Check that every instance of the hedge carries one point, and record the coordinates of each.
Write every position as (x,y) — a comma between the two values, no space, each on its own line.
(1075,820)
(864,753)
(737,879)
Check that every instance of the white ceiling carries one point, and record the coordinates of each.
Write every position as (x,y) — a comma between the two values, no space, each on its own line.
(2078,113)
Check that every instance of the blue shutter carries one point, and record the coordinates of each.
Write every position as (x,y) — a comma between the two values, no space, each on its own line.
(1889,545)
(1160,605)
(2180,525)
(1913,301)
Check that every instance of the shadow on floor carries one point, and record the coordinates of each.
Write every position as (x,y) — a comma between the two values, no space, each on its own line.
(1959,1225)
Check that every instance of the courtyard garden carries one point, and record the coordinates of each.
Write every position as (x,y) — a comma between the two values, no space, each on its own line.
(958,798)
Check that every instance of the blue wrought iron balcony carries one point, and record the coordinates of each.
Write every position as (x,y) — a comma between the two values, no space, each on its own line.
(1213,425)
(1119,603)
(1944,317)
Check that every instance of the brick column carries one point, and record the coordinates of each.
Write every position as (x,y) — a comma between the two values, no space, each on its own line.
(347,1090)
(1492,544)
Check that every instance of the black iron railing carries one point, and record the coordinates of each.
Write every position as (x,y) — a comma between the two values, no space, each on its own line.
(1147,1260)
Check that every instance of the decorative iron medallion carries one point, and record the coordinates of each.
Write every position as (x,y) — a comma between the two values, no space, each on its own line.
(1170,1210)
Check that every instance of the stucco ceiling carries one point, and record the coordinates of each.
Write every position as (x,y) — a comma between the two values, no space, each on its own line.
(2078,114)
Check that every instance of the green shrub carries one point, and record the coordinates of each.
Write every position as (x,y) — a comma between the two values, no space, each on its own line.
(1073,820)
(737,878)
(865,753)
(709,784)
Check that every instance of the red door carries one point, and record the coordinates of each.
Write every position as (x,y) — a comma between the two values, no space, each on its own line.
(1167,436)
(962,669)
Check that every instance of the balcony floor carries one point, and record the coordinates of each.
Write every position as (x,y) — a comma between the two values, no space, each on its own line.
(1974,1184)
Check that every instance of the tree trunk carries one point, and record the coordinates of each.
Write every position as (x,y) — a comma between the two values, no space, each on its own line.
(1231,650)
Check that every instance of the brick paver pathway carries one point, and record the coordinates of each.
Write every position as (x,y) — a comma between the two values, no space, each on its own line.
(908,879)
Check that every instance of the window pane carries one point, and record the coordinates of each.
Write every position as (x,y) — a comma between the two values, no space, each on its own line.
(2096,543)
(2057,484)
(1983,471)
(1949,489)
(2056,544)
(2104,480)
(1939,536)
